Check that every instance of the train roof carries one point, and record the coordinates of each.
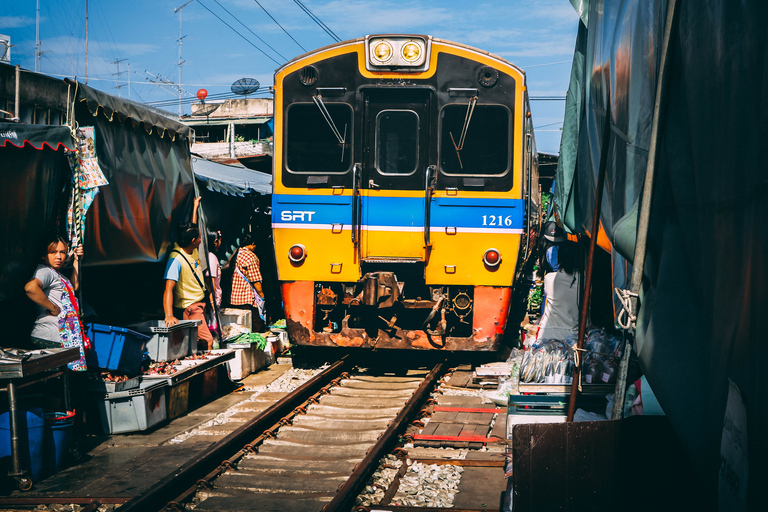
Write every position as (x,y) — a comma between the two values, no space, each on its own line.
(428,38)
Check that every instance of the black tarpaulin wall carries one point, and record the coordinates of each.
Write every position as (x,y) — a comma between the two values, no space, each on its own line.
(34,185)
(148,167)
(706,274)
(132,223)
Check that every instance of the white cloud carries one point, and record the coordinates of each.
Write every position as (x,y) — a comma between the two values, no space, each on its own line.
(16,21)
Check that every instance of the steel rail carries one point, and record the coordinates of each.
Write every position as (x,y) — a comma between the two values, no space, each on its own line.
(163,492)
(349,490)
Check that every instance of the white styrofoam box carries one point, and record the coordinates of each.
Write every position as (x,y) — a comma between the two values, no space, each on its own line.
(231,316)
(241,366)
(135,409)
(258,360)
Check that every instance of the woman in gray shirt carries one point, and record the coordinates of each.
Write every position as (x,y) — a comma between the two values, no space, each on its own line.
(58,322)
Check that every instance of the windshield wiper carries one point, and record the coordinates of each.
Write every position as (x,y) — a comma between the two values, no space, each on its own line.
(463,136)
(328,119)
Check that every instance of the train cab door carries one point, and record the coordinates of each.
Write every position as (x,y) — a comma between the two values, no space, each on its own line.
(395,159)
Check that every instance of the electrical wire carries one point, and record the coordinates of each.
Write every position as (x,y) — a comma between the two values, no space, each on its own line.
(238,33)
(279,25)
(317,20)
(251,31)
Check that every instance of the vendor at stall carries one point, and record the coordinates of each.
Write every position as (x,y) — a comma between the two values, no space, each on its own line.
(562,288)
(184,295)
(58,322)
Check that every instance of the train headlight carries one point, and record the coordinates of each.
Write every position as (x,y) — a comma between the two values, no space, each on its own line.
(411,51)
(297,253)
(403,53)
(492,257)
(382,51)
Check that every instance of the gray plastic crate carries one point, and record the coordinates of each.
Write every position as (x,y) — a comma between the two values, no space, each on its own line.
(169,343)
(112,387)
(133,410)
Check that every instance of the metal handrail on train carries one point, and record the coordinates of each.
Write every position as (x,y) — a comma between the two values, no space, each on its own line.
(355,193)
(428,188)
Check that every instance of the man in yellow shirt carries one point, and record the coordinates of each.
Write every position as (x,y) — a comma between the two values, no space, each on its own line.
(184,295)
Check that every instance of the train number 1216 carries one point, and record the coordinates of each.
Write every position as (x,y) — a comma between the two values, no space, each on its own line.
(497,220)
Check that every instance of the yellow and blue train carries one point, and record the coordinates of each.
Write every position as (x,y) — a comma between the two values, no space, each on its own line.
(405,194)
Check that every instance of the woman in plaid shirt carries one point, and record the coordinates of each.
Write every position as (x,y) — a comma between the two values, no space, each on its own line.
(246,282)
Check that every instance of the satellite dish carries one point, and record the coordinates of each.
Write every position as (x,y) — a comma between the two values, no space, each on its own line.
(205,109)
(245,86)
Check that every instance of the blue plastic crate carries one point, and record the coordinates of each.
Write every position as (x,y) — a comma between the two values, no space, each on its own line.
(116,348)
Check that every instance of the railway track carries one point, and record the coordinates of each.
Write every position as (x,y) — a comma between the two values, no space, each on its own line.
(313,450)
(327,444)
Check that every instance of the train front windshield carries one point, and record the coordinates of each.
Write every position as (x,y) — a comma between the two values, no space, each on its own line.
(318,138)
(474,141)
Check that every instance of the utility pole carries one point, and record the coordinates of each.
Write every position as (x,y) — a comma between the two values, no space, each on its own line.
(86,42)
(37,38)
(181,37)
(119,86)
(38,44)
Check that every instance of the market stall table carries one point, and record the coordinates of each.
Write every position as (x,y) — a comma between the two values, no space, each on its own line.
(20,368)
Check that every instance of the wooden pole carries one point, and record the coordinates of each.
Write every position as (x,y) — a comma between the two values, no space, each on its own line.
(590,262)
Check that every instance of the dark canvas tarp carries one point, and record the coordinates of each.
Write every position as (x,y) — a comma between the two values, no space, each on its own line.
(706,274)
(148,167)
(34,186)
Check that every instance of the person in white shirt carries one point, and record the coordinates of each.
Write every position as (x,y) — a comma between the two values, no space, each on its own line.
(562,289)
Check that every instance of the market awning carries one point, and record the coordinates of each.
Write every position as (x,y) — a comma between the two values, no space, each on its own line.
(112,106)
(229,179)
(36,135)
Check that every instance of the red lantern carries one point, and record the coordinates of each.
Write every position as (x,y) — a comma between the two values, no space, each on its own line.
(201,94)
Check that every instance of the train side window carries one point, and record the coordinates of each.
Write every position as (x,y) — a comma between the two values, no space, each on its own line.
(475,143)
(397,147)
(316,143)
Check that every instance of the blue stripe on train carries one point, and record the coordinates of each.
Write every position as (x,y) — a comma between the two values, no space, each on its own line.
(399,211)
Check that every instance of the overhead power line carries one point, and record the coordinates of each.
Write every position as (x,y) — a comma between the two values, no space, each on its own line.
(317,20)
(279,25)
(249,30)
(238,33)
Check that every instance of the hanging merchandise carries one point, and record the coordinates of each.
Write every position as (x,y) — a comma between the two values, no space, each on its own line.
(87,177)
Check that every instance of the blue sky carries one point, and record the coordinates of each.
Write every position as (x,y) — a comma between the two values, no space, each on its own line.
(537,35)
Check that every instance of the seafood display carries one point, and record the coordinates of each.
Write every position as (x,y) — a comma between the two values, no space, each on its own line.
(162,368)
(552,361)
